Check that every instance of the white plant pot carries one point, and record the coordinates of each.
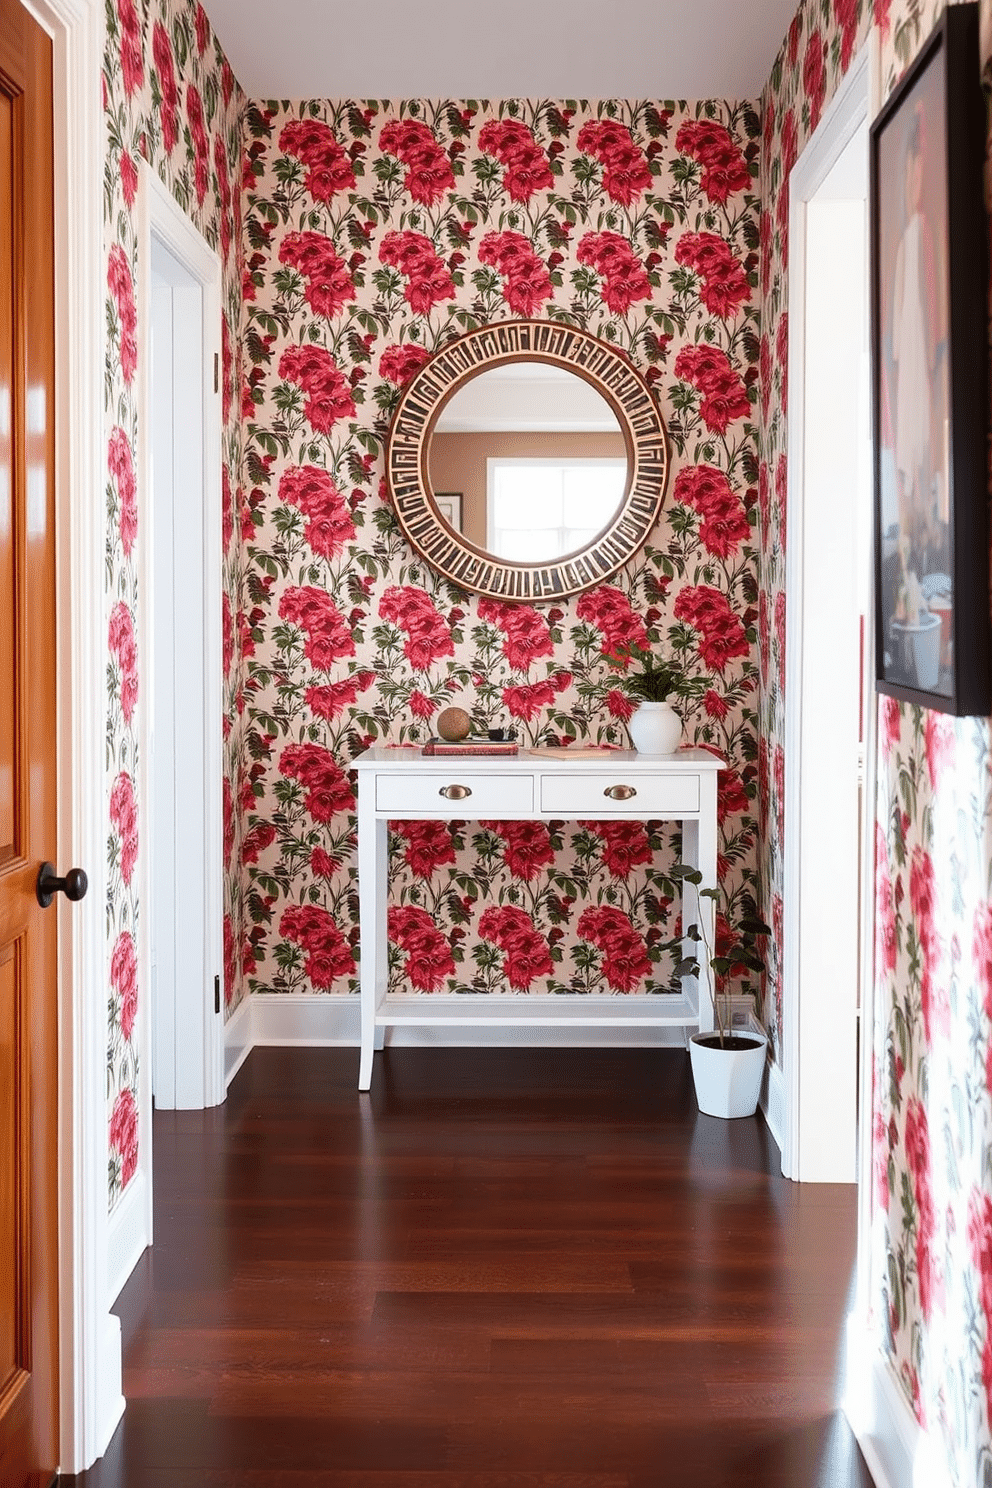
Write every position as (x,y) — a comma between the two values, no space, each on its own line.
(655,728)
(728,1081)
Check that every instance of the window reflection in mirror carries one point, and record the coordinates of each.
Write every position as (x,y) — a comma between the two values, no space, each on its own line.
(537,456)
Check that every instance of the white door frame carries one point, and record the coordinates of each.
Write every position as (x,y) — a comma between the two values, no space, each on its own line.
(805,1155)
(91,1402)
(193,1024)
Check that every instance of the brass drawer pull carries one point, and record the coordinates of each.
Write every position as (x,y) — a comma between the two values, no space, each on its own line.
(455,792)
(620,792)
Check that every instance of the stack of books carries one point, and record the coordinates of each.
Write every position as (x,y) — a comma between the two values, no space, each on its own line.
(471,746)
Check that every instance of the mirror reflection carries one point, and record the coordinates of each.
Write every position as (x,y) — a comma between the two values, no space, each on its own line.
(528,461)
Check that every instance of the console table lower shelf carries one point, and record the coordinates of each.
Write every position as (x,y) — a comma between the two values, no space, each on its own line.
(573,1010)
(401,784)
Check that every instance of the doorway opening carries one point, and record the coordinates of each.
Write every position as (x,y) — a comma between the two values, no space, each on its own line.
(829,784)
(185,891)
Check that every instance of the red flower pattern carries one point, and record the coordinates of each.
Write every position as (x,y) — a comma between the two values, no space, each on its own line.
(707,490)
(329,284)
(124,980)
(428,171)
(328,396)
(724,287)
(415,257)
(526,634)
(329,702)
(428,953)
(327,635)
(525,951)
(724,167)
(609,609)
(132,47)
(327,954)
(121,286)
(709,370)
(527,846)
(124,1134)
(721,633)
(328,168)
(526,167)
(527,281)
(428,637)
(626,845)
(122,642)
(625,959)
(124,815)
(328,790)
(625,278)
(428,845)
(626,173)
(121,466)
(526,701)
(328,524)
(401,363)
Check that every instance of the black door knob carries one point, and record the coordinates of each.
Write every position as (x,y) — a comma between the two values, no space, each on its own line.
(73,886)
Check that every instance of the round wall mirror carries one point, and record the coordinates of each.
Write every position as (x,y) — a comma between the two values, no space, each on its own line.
(536,457)
(527,461)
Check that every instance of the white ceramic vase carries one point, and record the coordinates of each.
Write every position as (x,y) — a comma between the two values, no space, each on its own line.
(655,728)
(727,1081)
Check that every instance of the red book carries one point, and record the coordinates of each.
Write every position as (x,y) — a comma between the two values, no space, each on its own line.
(471,746)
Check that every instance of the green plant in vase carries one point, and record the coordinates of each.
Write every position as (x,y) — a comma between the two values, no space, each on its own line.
(655,726)
(727,1067)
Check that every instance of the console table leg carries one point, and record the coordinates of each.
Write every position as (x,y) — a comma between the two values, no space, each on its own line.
(373,846)
(365,1068)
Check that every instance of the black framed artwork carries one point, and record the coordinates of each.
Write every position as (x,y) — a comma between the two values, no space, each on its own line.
(930,279)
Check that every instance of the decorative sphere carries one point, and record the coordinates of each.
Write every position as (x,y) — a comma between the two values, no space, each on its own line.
(453,724)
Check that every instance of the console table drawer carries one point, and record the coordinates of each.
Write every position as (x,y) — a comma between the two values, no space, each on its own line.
(627,795)
(456,793)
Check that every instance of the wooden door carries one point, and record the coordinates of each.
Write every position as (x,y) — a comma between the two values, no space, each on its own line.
(28,1004)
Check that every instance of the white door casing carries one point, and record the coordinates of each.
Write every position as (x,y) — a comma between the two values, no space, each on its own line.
(89,1335)
(823,843)
(181,635)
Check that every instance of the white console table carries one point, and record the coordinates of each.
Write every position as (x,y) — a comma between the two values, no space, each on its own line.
(403,784)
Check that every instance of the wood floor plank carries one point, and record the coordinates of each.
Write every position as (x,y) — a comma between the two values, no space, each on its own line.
(501,1269)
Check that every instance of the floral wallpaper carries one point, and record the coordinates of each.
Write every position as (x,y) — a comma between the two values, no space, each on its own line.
(372,232)
(931,1261)
(170,98)
(375,231)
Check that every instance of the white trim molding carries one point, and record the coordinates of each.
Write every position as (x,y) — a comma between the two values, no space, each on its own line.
(91,1402)
(771,1103)
(335,1019)
(818,1144)
(238,1042)
(898,1451)
(198,1028)
(128,1233)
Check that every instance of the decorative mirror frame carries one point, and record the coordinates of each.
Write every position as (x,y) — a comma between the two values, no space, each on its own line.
(607,370)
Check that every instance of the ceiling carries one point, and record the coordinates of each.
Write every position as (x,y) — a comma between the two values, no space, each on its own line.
(653,49)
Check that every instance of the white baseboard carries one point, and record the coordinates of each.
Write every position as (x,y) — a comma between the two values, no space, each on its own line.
(238,1038)
(110,1388)
(128,1235)
(899,1453)
(772,1103)
(294,1018)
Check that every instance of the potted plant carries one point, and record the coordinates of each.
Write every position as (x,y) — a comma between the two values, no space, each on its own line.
(727,1065)
(655,727)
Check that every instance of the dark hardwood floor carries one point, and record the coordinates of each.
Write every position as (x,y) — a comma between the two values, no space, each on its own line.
(502,1269)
